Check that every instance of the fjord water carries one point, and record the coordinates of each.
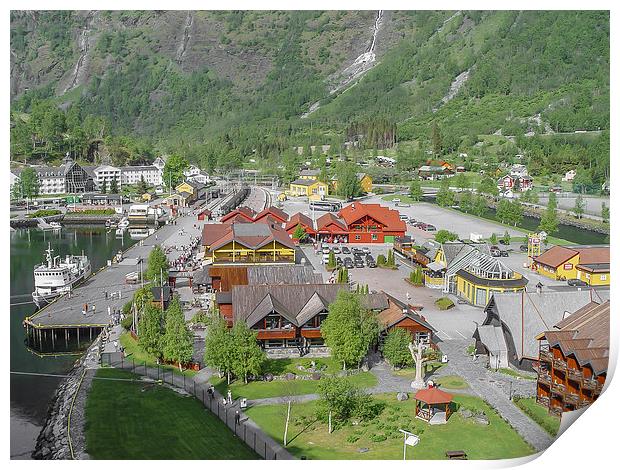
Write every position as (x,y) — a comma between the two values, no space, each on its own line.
(31,395)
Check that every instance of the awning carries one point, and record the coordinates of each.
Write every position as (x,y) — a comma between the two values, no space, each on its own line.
(435,266)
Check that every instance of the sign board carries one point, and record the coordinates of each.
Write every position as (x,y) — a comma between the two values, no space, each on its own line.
(535,240)
(412,440)
(568,266)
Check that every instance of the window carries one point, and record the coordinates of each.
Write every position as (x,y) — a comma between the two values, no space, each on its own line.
(315,342)
(374,236)
(274,343)
(603,277)
(358,237)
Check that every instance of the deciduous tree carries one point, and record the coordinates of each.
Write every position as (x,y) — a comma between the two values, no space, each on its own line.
(178,339)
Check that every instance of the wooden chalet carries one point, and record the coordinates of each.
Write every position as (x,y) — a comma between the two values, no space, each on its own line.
(573,359)
(330,228)
(372,223)
(397,314)
(286,317)
(247,243)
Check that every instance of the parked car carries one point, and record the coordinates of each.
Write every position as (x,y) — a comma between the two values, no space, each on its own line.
(404,217)
(411,221)
(366,250)
(495,253)
(346,250)
(431,228)
(339,261)
(503,253)
(336,250)
(358,263)
(325,258)
(325,251)
(576,283)
(371,263)
(324,245)
(348,263)
(356,250)
(523,248)
(503,242)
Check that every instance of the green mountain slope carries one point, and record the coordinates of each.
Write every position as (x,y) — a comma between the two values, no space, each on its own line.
(219,86)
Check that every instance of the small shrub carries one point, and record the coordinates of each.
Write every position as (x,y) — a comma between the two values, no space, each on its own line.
(127,322)
(44,213)
(381,260)
(353,438)
(444,303)
(201,317)
(378,438)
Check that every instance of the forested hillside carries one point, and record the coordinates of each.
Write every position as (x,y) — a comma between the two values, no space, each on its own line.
(222,87)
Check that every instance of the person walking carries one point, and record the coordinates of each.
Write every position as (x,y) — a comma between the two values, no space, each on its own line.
(229,396)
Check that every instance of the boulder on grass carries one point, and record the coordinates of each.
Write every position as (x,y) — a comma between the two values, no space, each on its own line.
(289,376)
(268,377)
(316,376)
(402,396)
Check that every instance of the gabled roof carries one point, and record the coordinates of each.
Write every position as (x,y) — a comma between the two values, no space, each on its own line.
(278,214)
(588,255)
(297,219)
(327,219)
(493,338)
(213,232)
(305,182)
(396,311)
(315,305)
(291,300)
(282,274)
(387,217)
(249,235)
(268,305)
(245,212)
(309,172)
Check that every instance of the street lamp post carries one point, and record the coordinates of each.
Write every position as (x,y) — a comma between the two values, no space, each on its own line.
(409,439)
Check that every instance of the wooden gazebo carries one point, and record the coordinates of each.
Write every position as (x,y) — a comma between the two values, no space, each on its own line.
(433,405)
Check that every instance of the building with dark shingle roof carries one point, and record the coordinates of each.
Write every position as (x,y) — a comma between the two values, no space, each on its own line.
(573,359)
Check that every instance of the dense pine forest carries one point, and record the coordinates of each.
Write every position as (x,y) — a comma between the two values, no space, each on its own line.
(221,88)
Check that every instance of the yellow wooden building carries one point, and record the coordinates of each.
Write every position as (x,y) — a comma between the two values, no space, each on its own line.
(244,243)
(477,288)
(308,187)
(590,264)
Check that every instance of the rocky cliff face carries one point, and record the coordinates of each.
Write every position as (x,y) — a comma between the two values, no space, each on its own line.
(68,51)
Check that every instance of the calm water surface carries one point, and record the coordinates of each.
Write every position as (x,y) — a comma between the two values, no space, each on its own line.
(31,395)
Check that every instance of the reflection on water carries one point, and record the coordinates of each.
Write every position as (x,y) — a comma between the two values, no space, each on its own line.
(30,395)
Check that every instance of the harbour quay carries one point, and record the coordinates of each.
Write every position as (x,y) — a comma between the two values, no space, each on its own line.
(64,326)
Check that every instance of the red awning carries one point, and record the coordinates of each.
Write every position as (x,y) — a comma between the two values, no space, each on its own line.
(433,396)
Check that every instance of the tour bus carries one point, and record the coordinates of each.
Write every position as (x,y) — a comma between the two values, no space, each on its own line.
(330,206)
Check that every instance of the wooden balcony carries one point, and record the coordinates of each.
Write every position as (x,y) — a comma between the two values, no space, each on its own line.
(571,399)
(559,364)
(544,378)
(558,388)
(583,403)
(588,384)
(544,401)
(556,410)
(276,333)
(574,374)
(545,356)
(311,332)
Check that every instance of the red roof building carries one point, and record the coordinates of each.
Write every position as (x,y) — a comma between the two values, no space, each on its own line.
(276,214)
(372,223)
(240,214)
(300,219)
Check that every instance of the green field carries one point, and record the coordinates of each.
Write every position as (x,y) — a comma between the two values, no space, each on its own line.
(278,388)
(540,414)
(140,421)
(453,382)
(514,373)
(383,440)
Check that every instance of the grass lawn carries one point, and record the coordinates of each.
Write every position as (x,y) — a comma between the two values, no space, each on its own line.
(139,421)
(540,414)
(133,351)
(453,382)
(514,373)
(381,436)
(431,367)
(278,388)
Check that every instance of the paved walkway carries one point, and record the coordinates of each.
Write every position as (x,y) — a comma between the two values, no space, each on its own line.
(485,385)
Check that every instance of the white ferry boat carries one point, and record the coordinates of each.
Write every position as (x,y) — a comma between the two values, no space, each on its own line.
(58,276)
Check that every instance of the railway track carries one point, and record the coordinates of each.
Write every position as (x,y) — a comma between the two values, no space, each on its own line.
(267,198)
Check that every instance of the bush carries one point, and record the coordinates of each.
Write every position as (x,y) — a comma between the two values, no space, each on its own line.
(44,213)
(94,212)
(200,317)
(416,277)
(127,322)
(444,303)
(381,260)
(378,437)
(353,438)
(127,308)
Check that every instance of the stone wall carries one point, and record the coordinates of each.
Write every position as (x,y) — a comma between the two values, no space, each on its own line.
(281,353)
